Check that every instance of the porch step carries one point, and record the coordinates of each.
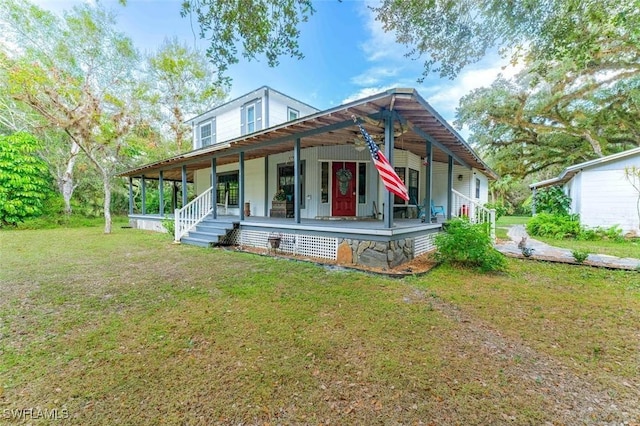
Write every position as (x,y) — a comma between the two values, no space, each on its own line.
(208,232)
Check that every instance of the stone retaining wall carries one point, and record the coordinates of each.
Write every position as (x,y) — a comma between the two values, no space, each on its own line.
(376,254)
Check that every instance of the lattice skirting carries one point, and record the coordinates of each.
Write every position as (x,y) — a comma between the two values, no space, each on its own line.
(424,244)
(303,245)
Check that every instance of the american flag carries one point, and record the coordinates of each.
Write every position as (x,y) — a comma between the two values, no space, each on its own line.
(389,176)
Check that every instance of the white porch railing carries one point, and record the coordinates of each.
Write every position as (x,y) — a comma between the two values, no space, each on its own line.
(193,213)
(464,206)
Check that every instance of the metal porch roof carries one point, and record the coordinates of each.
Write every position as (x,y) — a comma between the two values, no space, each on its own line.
(568,173)
(417,122)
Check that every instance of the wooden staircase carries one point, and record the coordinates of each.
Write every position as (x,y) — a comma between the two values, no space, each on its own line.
(209,232)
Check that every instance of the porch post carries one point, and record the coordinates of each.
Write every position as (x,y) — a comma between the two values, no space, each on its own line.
(214,187)
(184,186)
(449,187)
(174,196)
(143,195)
(130,195)
(266,186)
(427,183)
(241,184)
(161,193)
(388,152)
(296,181)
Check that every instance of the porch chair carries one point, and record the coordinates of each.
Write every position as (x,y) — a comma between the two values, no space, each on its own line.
(422,208)
(435,210)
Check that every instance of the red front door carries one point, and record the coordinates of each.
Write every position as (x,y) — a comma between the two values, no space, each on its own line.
(343,199)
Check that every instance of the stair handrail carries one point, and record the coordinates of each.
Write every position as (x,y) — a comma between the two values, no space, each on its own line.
(192,214)
(474,210)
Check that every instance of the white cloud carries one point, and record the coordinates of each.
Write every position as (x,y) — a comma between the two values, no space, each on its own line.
(447,96)
(390,68)
(375,75)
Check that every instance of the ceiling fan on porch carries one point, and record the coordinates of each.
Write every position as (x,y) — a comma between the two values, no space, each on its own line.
(360,144)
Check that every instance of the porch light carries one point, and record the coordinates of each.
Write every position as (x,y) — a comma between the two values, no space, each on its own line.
(460,177)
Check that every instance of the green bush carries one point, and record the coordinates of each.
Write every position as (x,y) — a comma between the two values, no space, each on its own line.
(561,226)
(580,255)
(170,225)
(468,244)
(552,200)
(613,233)
(25,182)
(499,207)
(557,226)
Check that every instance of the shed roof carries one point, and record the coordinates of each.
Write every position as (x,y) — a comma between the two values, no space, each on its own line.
(567,174)
(416,122)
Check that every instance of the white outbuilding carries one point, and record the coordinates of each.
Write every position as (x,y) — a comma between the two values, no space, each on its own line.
(602,191)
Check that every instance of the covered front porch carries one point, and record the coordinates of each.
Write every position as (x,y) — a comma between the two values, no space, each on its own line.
(236,182)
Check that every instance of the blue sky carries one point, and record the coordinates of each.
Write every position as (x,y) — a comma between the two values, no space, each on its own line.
(347,55)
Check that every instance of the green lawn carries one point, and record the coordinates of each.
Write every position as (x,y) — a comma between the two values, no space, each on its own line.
(626,248)
(512,220)
(129,328)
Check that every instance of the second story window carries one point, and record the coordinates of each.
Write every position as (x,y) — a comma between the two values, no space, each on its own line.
(292,114)
(205,134)
(251,118)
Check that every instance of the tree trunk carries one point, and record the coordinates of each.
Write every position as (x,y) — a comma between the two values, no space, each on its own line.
(66,184)
(106,183)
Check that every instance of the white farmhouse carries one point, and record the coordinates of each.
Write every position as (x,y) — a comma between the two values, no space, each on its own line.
(266,145)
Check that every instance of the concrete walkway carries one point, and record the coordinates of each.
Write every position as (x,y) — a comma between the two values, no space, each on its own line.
(542,251)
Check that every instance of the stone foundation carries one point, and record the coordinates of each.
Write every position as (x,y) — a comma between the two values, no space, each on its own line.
(376,254)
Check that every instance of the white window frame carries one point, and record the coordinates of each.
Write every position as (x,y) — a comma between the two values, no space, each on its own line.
(209,137)
(294,112)
(251,125)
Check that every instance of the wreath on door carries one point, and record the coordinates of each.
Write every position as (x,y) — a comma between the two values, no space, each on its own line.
(344,176)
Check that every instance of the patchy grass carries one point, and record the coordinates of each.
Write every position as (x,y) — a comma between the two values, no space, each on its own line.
(129,328)
(626,248)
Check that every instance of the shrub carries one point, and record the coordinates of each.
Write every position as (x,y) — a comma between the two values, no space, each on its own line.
(613,233)
(170,225)
(552,200)
(580,255)
(468,244)
(25,183)
(557,226)
(499,207)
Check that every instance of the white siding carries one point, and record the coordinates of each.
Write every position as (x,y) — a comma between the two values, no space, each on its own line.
(602,196)
(202,180)
(273,110)
(608,199)
(313,157)
(278,108)
(484,187)
(228,124)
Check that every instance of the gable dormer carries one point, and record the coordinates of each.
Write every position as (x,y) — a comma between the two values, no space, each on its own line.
(249,113)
